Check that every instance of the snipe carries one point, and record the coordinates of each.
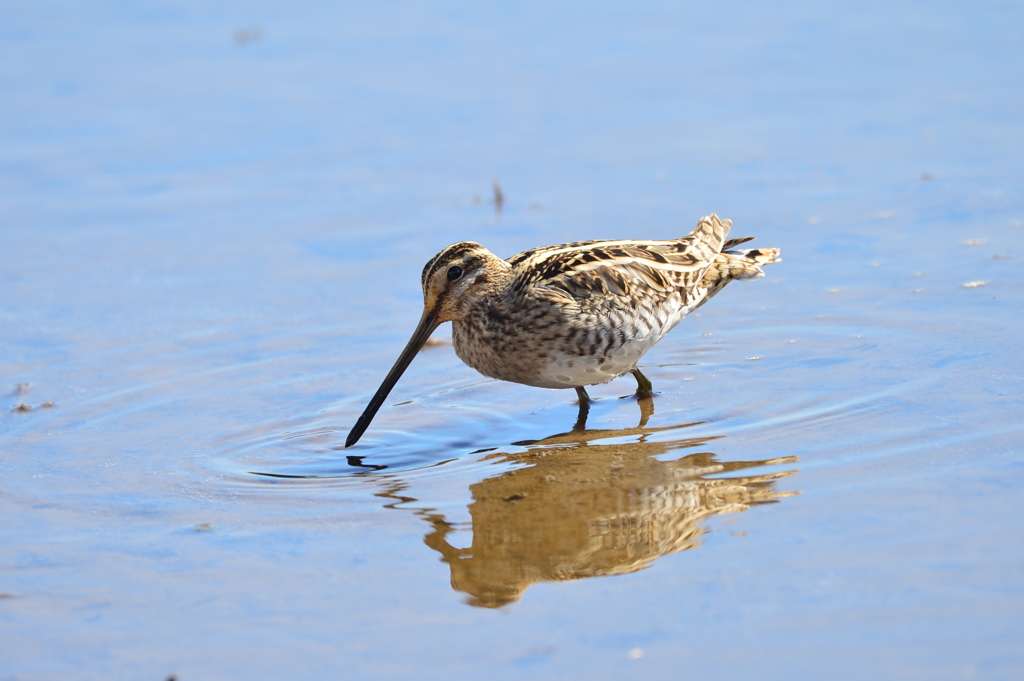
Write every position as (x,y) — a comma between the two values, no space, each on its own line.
(570,315)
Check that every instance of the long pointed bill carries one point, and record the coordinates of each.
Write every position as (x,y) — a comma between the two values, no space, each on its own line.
(428,323)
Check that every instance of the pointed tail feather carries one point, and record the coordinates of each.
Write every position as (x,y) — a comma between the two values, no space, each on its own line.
(710,230)
(745,265)
(733,243)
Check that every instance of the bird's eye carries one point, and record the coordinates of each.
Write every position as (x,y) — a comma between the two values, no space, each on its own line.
(454,273)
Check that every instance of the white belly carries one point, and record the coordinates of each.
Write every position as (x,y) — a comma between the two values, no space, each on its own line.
(571,370)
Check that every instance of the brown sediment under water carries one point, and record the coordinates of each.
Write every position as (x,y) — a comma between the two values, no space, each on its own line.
(210,255)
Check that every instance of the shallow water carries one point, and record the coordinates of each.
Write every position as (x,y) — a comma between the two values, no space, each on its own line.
(212,224)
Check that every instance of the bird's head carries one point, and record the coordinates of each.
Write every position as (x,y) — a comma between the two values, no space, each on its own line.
(454,280)
(457,278)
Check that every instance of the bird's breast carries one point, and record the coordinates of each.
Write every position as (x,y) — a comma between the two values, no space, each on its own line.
(554,351)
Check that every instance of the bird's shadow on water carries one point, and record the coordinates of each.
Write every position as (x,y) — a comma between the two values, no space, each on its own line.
(587,503)
(578,504)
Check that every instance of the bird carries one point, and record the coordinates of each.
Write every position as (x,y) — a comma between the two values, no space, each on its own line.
(574,314)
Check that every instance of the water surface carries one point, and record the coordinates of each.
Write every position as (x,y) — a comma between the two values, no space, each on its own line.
(212,224)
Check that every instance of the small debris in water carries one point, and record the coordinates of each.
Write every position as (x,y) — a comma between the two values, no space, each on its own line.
(813,221)
(793,341)
(635,653)
(708,333)
(205,527)
(21,406)
(918,290)
(1017,223)
(738,534)
(835,290)
(919,274)
(886,214)
(688,378)
(21,388)
(248,35)
(875,264)
(975,284)
(973,242)
(927,176)
(499,196)
(754,357)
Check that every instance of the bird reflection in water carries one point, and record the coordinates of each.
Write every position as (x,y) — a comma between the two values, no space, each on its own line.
(587,504)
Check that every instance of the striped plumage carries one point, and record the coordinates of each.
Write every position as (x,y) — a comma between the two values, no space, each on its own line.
(571,315)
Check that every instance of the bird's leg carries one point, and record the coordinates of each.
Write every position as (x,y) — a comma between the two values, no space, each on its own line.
(581,420)
(643,384)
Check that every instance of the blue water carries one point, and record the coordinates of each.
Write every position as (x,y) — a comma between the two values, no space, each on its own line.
(212,224)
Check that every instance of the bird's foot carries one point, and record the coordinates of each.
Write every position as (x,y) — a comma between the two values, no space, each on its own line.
(644,389)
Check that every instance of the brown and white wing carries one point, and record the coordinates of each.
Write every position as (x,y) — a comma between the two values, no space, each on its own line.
(622,274)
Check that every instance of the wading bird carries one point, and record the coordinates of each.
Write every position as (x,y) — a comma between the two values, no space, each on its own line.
(570,315)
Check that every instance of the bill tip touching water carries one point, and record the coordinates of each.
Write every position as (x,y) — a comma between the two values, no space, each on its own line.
(570,315)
